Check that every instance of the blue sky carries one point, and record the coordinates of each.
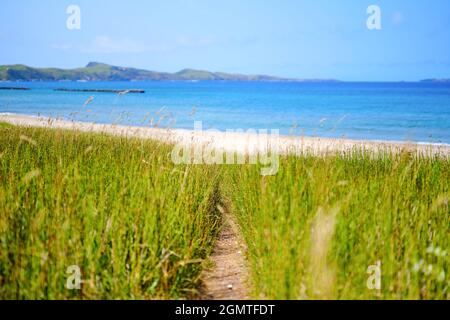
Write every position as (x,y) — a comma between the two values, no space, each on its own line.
(292,38)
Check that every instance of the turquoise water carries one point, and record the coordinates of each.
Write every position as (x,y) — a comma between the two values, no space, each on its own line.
(376,111)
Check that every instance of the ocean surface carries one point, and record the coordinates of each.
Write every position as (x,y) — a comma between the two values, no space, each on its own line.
(376,111)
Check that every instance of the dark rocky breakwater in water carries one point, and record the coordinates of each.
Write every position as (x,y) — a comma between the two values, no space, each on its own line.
(102,90)
(14,88)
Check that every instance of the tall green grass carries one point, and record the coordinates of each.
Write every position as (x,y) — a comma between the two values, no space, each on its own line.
(140,227)
(136,225)
(314,229)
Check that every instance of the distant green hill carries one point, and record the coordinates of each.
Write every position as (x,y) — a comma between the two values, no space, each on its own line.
(96,71)
(436,80)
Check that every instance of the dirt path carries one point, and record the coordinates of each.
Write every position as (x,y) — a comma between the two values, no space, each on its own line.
(227,279)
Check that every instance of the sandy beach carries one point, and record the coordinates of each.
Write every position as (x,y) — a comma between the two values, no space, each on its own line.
(245,142)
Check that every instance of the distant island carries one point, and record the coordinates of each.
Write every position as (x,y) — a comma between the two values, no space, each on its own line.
(96,71)
(436,80)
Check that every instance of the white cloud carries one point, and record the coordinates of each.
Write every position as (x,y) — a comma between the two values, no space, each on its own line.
(62,46)
(108,45)
(104,44)
(186,41)
(397,18)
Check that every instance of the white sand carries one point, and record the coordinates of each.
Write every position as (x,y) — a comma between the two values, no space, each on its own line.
(246,143)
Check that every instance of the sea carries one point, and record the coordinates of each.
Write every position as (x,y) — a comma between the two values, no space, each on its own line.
(401,111)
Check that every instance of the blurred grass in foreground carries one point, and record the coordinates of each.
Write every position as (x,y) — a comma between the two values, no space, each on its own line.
(140,227)
(135,224)
(315,227)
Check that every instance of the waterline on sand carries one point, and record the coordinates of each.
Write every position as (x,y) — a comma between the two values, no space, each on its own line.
(240,142)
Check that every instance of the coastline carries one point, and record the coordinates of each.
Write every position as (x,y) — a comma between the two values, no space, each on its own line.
(239,142)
